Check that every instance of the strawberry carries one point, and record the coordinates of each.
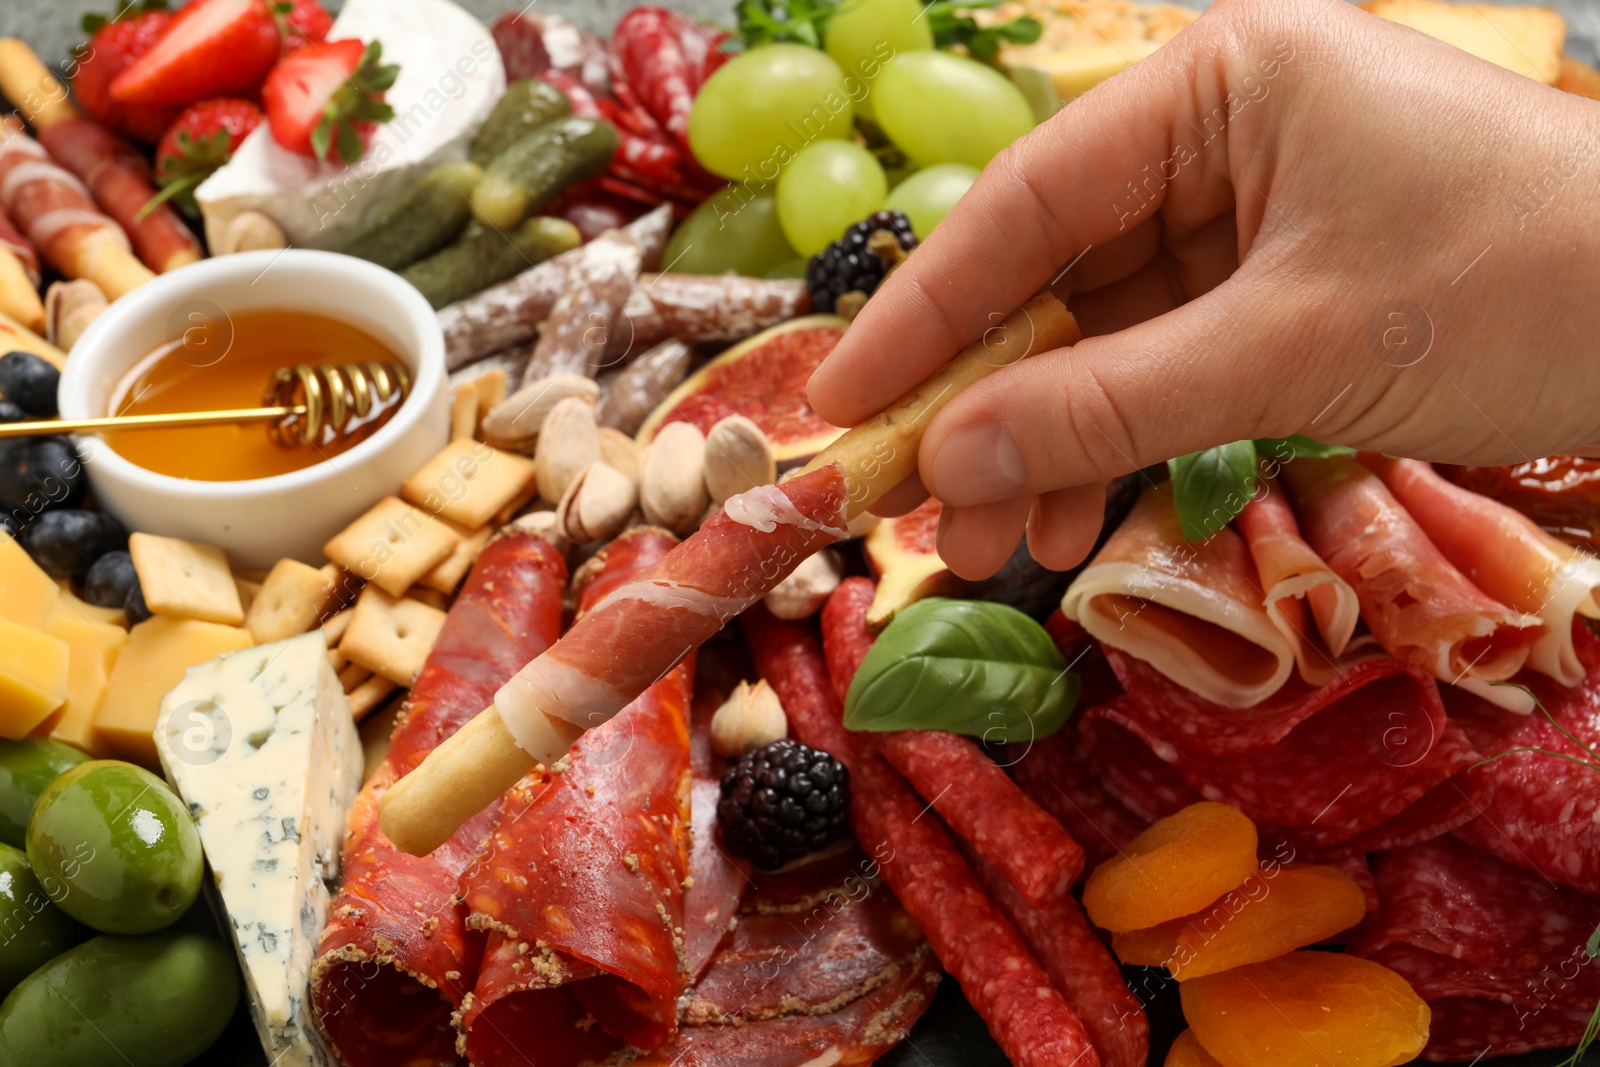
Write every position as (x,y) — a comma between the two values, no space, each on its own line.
(202,139)
(328,96)
(213,48)
(114,43)
(304,22)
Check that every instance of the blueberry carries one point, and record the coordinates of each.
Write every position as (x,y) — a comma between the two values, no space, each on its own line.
(66,543)
(29,381)
(40,473)
(9,412)
(134,607)
(109,580)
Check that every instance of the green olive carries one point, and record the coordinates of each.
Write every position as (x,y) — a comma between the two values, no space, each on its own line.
(116,848)
(26,767)
(33,931)
(155,1001)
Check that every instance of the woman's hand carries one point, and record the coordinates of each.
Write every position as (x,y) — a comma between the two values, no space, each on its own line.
(1294,218)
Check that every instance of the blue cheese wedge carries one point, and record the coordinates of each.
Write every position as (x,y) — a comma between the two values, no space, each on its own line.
(450,77)
(261,746)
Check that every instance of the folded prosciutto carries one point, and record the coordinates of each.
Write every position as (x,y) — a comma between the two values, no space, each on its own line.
(580,884)
(1368,760)
(1498,953)
(1420,608)
(1505,555)
(1545,812)
(1192,609)
(1298,583)
(396,958)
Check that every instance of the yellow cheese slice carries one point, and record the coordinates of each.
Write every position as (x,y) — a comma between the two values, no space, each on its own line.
(33,677)
(93,648)
(69,606)
(158,652)
(26,593)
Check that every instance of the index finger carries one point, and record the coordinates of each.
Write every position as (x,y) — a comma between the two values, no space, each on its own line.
(1049,197)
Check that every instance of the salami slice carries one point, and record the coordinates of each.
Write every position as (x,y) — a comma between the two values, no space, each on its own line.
(580,884)
(717,879)
(395,958)
(1013,994)
(1499,953)
(978,802)
(1545,811)
(1056,774)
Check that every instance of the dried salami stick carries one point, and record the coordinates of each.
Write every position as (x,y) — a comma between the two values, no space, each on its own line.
(643,384)
(983,807)
(723,307)
(506,314)
(735,559)
(584,316)
(1031,1021)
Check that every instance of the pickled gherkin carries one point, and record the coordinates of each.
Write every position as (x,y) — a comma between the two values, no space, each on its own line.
(485,255)
(423,221)
(523,107)
(530,173)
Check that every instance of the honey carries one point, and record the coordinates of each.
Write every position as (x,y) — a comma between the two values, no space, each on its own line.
(228,360)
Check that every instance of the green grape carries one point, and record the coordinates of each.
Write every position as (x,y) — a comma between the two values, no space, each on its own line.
(828,187)
(863,35)
(791,268)
(762,107)
(734,229)
(927,196)
(943,108)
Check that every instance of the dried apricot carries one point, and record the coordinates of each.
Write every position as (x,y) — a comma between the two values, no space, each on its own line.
(1275,911)
(1187,1052)
(1178,866)
(1307,1009)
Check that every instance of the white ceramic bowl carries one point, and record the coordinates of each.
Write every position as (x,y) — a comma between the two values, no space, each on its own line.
(260,520)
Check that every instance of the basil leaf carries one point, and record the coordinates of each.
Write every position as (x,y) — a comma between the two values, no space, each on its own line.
(968,666)
(1298,446)
(1593,947)
(1212,486)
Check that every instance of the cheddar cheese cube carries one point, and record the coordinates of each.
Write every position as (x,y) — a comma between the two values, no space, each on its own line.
(92,648)
(69,606)
(158,652)
(33,677)
(26,593)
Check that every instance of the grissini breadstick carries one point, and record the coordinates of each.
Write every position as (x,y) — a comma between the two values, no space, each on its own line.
(14,335)
(18,296)
(643,629)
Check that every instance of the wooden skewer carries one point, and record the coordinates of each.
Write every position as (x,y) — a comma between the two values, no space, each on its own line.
(470,769)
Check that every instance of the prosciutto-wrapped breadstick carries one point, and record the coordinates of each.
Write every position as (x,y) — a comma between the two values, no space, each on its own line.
(114,171)
(58,214)
(644,628)
(19,294)
(1192,609)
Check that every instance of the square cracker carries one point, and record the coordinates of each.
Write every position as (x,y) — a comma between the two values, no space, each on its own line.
(392,545)
(391,636)
(469,482)
(447,576)
(464,412)
(491,389)
(290,601)
(184,580)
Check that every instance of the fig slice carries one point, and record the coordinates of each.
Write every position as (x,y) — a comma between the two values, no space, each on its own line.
(764,379)
(904,554)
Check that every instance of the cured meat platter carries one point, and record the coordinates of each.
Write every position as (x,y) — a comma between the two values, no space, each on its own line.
(435,628)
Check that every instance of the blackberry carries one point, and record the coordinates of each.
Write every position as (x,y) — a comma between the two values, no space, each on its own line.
(856,263)
(783,801)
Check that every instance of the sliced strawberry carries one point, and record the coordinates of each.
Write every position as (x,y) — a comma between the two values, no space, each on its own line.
(114,43)
(213,48)
(304,22)
(203,138)
(329,97)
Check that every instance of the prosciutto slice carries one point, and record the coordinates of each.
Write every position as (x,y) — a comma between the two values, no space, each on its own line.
(1299,584)
(1421,609)
(1192,609)
(1505,554)
(580,884)
(1498,953)
(396,958)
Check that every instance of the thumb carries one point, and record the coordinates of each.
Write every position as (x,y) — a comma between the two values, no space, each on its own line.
(1208,372)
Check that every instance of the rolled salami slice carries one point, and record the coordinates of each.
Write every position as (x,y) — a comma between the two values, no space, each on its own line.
(1299,584)
(1192,609)
(1419,606)
(580,885)
(1505,555)
(1027,1016)
(1498,952)
(396,959)
(981,805)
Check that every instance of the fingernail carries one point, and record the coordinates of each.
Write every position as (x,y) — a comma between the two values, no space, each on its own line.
(978,463)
